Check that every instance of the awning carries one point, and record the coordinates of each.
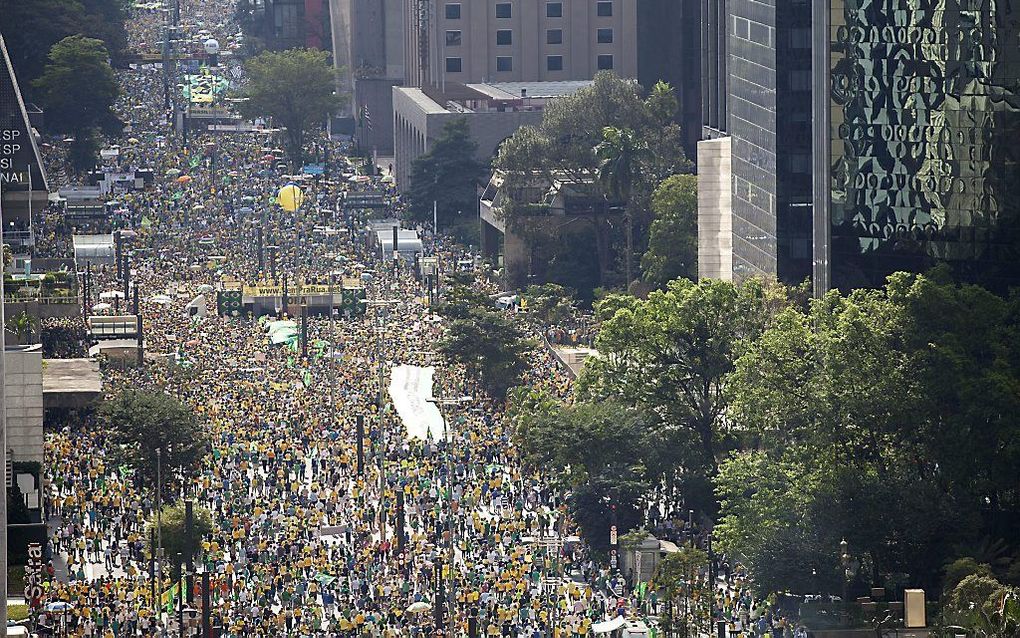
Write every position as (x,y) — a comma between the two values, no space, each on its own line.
(608,625)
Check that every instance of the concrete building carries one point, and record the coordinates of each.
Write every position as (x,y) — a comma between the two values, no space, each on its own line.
(715,209)
(553,211)
(493,112)
(368,46)
(24,401)
(757,91)
(469,41)
(290,24)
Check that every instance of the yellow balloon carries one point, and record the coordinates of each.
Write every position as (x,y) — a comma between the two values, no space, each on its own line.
(290,198)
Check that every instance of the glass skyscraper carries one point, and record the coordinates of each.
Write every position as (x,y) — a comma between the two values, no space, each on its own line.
(917,140)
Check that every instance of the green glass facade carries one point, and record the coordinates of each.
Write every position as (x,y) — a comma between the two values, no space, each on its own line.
(917,120)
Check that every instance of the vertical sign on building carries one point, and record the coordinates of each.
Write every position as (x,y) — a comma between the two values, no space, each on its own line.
(34,576)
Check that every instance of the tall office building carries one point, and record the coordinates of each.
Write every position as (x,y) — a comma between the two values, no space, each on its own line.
(669,49)
(756,77)
(917,140)
(476,41)
(368,48)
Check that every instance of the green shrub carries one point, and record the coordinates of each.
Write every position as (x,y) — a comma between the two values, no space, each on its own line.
(17,612)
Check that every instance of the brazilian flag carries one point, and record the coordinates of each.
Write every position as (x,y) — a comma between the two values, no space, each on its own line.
(228,303)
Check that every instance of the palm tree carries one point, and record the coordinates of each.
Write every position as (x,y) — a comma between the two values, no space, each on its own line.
(20,325)
(622,156)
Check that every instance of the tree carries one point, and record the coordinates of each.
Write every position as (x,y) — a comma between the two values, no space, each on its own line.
(865,400)
(296,88)
(21,325)
(78,89)
(984,607)
(447,175)
(30,29)
(682,579)
(145,424)
(460,298)
(490,347)
(673,237)
(669,354)
(562,149)
(597,450)
(172,523)
(622,159)
(547,304)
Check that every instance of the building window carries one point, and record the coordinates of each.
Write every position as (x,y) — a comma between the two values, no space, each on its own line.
(503,10)
(554,62)
(554,9)
(504,64)
(604,9)
(453,65)
(605,63)
(453,38)
(453,11)
(504,37)
(554,36)
(605,36)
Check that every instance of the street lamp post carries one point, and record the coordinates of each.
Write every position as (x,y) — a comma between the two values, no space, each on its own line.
(849,565)
(448,443)
(382,304)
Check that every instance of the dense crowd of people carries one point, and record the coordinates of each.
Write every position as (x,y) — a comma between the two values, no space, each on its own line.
(302,543)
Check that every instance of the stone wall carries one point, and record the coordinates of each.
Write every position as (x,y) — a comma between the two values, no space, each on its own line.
(24,402)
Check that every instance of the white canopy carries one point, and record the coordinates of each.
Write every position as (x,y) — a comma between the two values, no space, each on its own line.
(408,243)
(608,626)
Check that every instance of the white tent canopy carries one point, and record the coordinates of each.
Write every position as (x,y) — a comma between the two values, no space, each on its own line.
(408,243)
(608,626)
(98,249)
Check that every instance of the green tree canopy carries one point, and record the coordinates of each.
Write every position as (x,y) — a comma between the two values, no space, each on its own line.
(669,354)
(600,451)
(563,149)
(489,347)
(175,537)
(296,88)
(30,29)
(984,607)
(682,578)
(144,424)
(448,175)
(871,399)
(78,87)
(673,236)
(78,90)
(547,304)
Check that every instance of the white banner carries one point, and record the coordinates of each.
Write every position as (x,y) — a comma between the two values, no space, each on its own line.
(410,390)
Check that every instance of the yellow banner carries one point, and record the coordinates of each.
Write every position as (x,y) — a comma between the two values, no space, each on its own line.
(301,290)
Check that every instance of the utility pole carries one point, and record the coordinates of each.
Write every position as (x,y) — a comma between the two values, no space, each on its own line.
(361,444)
(159,527)
(127,278)
(450,519)
(304,331)
(206,606)
(140,347)
(262,258)
(189,527)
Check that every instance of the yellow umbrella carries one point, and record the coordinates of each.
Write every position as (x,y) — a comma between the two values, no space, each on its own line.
(184,179)
(290,198)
